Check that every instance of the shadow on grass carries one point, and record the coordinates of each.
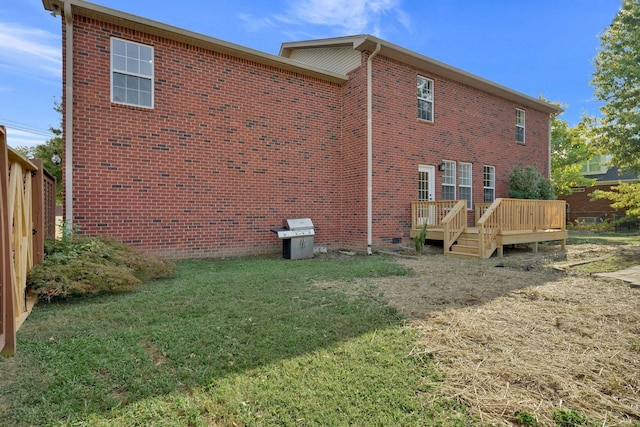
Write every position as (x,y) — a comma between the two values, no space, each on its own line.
(214,319)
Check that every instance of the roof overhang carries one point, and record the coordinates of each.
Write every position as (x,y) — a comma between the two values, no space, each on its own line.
(115,17)
(368,43)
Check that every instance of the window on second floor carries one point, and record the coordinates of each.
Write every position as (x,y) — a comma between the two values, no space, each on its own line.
(449,180)
(131,73)
(425,99)
(520,125)
(489,184)
(465,183)
(598,165)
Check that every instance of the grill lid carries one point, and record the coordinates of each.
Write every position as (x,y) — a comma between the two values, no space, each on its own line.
(298,223)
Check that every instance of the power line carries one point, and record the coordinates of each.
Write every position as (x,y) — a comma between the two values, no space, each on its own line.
(23,127)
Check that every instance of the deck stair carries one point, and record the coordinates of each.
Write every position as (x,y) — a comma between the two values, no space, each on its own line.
(467,245)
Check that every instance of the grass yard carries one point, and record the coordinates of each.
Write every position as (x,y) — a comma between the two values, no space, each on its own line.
(253,341)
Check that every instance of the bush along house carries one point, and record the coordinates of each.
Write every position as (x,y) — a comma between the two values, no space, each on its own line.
(189,146)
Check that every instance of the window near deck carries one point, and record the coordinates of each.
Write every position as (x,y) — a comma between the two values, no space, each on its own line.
(489,184)
(519,126)
(465,182)
(449,180)
(131,73)
(425,99)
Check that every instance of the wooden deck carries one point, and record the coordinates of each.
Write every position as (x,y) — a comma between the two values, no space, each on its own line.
(504,222)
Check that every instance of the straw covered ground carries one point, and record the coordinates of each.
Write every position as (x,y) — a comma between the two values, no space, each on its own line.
(518,340)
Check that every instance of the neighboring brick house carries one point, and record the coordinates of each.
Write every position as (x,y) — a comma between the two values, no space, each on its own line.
(580,207)
(189,146)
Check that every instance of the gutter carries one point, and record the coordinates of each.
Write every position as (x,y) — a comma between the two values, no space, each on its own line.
(370,150)
(68,114)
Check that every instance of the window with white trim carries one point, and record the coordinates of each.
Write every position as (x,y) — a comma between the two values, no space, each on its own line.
(449,180)
(520,122)
(489,184)
(425,99)
(465,183)
(131,73)
(597,165)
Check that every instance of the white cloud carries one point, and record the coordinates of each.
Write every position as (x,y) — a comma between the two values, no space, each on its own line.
(30,50)
(353,17)
(340,17)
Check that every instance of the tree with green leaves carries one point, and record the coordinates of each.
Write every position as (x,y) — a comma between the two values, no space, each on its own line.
(617,84)
(569,148)
(45,153)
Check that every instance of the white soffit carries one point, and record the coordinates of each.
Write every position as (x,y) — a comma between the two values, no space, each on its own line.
(335,59)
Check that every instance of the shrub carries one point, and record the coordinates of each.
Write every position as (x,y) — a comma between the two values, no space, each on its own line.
(79,265)
(527,183)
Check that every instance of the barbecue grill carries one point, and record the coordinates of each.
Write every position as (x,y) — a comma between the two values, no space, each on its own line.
(297,235)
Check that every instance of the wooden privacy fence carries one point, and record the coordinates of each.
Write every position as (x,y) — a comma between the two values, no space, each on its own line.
(27,217)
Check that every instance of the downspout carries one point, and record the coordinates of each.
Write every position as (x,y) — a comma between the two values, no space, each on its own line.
(370,150)
(68,114)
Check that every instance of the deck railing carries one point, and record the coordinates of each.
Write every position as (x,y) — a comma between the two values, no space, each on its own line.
(506,215)
(431,212)
(489,225)
(455,222)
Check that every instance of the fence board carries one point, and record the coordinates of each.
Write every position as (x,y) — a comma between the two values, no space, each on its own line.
(7,316)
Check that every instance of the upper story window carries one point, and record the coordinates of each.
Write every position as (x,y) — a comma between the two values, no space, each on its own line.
(425,99)
(489,184)
(520,125)
(449,180)
(131,73)
(598,165)
(465,183)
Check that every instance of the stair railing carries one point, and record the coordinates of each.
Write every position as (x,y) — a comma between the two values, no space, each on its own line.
(489,226)
(454,223)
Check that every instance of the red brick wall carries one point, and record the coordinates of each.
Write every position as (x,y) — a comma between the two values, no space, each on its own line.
(232,147)
(469,126)
(229,150)
(580,205)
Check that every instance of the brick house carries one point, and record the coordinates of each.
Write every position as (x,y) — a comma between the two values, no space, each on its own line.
(189,146)
(580,207)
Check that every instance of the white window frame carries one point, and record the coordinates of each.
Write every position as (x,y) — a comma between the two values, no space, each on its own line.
(489,183)
(449,179)
(520,126)
(597,165)
(425,95)
(136,65)
(465,182)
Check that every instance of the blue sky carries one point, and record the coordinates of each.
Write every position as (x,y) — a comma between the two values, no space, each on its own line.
(537,47)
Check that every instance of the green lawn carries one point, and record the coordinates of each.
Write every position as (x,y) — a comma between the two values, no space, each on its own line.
(251,341)
(602,238)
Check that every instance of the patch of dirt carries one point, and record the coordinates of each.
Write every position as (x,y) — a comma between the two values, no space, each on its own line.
(514,336)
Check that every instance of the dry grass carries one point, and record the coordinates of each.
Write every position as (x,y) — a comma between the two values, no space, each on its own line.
(525,338)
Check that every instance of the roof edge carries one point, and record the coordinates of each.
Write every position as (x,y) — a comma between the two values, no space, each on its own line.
(367,42)
(113,16)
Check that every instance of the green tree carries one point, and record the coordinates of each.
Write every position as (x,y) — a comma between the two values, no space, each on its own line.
(45,153)
(527,183)
(617,84)
(569,148)
(624,195)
